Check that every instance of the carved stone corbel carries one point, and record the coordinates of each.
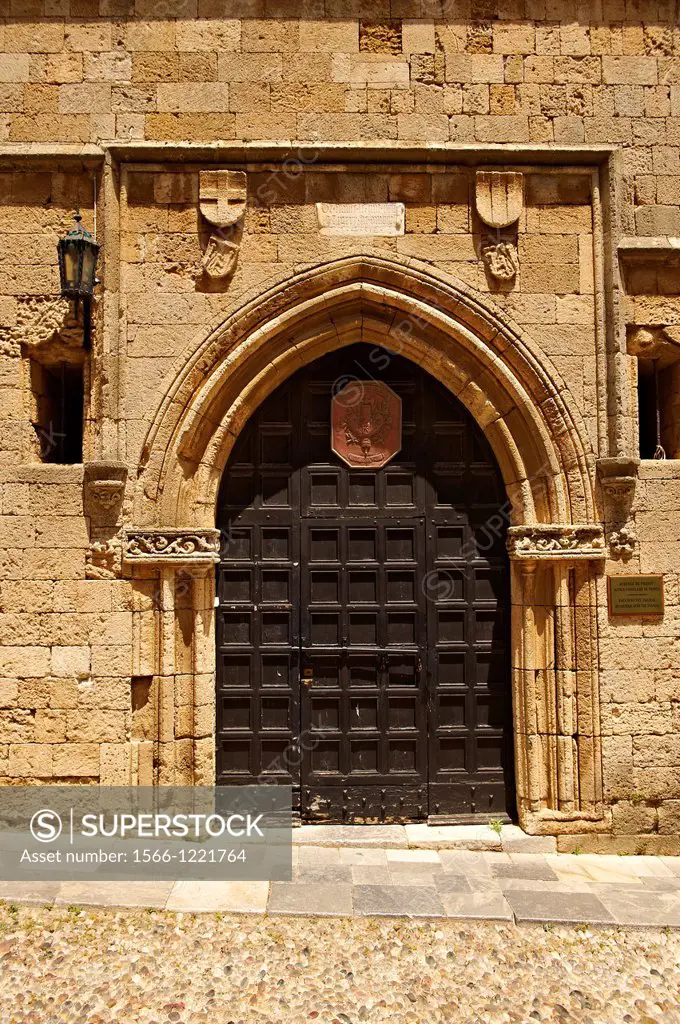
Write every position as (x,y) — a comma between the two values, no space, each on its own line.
(222,200)
(618,477)
(103,490)
(499,200)
(658,343)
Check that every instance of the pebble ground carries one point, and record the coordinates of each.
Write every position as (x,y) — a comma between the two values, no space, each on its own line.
(96,967)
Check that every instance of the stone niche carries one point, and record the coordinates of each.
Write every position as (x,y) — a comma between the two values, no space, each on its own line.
(657,351)
(55,367)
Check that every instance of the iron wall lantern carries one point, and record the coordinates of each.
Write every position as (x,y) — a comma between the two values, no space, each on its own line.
(78,254)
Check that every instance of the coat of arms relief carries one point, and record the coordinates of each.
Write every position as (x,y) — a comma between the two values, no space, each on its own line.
(499,199)
(223,196)
(366,424)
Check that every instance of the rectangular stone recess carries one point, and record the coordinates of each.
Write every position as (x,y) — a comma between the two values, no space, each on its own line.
(353,219)
(635,595)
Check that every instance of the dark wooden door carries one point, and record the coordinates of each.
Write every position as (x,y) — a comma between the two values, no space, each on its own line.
(363,614)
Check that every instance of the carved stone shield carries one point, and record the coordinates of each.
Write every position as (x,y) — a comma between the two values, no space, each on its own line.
(220,256)
(366,424)
(499,197)
(222,196)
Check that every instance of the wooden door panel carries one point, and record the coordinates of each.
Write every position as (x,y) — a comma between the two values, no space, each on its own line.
(362,620)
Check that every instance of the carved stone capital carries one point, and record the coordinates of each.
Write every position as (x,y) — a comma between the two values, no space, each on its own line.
(104,487)
(547,542)
(172,547)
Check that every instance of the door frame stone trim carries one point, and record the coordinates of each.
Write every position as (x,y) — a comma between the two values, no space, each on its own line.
(548,465)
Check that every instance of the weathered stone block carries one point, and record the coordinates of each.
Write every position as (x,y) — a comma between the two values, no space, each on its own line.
(17,726)
(207,96)
(111,661)
(114,764)
(74,760)
(9,691)
(85,98)
(31,760)
(96,726)
(633,818)
(332,36)
(24,662)
(629,71)
(50,726)
(669,818)
(70,661)
(656,751)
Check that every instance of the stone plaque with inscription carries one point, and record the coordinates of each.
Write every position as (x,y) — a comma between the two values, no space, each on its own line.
(635,595)
(361,218)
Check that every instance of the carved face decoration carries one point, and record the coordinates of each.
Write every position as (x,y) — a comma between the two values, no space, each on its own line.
(366,424)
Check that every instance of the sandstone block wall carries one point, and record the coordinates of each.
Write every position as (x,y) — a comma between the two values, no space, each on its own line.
(471,71)
(79,691)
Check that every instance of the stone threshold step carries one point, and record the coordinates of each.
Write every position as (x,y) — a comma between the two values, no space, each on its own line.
(424,837)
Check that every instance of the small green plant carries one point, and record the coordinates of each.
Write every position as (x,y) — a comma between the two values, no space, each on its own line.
(496,825)
(74,910)
(577,850)
(636,798)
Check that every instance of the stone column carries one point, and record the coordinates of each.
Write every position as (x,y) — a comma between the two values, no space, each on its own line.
(174,654)
(203,610)
(555,675)
(165,681)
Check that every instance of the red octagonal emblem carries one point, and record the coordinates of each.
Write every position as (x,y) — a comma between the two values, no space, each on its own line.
(366,424)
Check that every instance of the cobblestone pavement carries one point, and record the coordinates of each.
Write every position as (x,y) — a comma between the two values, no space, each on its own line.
(497,886)
(61,964)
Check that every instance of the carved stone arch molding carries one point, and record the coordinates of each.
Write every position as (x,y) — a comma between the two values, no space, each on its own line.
(556,541)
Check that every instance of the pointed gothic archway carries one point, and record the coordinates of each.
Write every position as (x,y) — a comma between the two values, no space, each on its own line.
(528,420)
(363,619)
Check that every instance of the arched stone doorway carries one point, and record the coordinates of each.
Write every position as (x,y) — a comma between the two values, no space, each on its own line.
(555,540)
(363,651)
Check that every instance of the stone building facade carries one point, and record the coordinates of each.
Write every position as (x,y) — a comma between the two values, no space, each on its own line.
(525,254)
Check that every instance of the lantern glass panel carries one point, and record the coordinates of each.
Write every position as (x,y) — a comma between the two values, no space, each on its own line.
(87,273)
(72,265)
